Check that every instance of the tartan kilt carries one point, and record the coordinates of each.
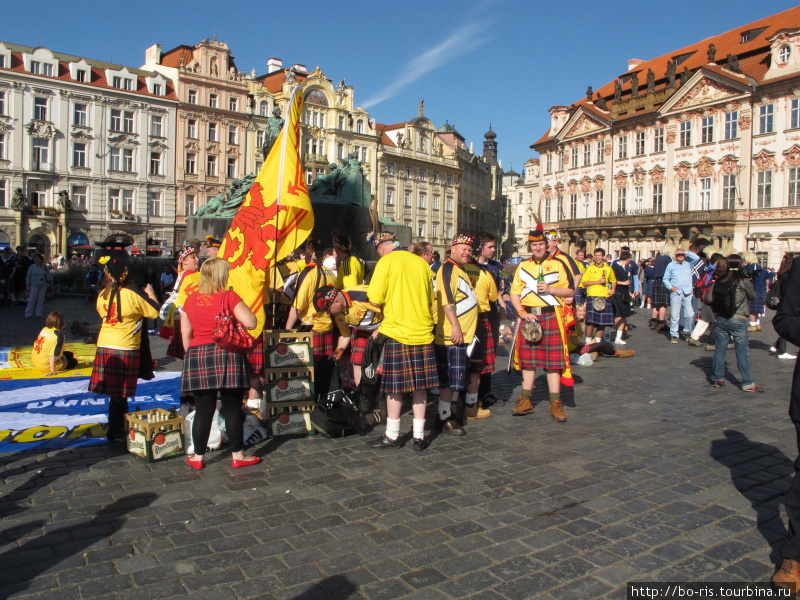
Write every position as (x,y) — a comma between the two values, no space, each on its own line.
(601,319)
(255,358)
(484,355)
(209,367)
(322,344)
(115,372)
(580,295)
(175,347)
(547,353)
(756,305)
(452,366)
(407,368)
(660,293)
(358,343)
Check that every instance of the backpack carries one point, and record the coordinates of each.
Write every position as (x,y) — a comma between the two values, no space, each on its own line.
(724,302)
(702,286)
(775,294)
(336,415)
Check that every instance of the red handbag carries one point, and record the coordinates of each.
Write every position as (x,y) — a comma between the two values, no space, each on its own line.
(228,333)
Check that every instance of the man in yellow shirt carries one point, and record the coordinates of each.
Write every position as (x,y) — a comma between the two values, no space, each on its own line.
(539,286)
(599,310)
(401,287)
(349,268)
(456,322)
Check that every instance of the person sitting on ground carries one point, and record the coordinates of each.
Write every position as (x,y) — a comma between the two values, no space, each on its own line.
(578,345)
(48,354)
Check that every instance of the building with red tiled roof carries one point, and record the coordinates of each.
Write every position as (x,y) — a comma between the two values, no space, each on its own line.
(701,144)
(86,152)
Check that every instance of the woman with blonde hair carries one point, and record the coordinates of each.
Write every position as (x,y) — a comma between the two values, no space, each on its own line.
(209,369)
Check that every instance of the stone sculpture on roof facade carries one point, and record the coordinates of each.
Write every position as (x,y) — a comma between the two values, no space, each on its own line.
(589,94)
(617,90)
(712,53)
(18,199)
(671,73)
(651,81)
(600,102)
(733,63)
(635,85)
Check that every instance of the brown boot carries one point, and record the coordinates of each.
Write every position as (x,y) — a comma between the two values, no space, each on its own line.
(477,412)
(788,576)
(557,411)
(523,407)
(624,353)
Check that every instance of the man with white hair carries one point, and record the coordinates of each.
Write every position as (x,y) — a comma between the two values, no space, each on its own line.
(678,280)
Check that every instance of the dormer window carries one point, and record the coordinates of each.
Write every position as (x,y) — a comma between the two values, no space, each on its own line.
(784,53)
(751,34)
(40,68)
(81,76)
(80,71)
(122,83)
(5,57)
(745,37)
(156,89)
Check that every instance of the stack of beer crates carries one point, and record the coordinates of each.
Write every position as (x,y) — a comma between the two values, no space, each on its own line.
(289,382)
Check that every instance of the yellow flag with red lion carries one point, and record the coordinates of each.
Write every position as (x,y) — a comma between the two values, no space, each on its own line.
(274,219)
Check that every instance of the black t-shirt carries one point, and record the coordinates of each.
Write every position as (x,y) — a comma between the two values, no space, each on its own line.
(622,275)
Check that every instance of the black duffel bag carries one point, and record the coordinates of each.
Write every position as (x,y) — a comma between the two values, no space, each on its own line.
(336,415)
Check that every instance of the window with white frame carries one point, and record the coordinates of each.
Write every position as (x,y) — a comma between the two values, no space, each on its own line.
(127,201)
(78,197)
(519,221)
(212,100)
(3,200)
(39,194)
(639,150)
(587,154)
(79,113)
(784,53)
(423,174)
(408,172)
(41,68)
(574,157)
(435,203)
(658,139)
(450,180)
(232,137)
(766,113)
(41,153)
(794,113)
(2,102)
(434,231)
(191,129)
(598,203)
(732,125)
(560,206)
(211,166)
(189,204)
(127,122)
(154,203)
(560,155)
(435,177)
(359,126)
(548,161)
(259,139)
(114,159)
(601,151)
(793,177)
(421,229)
(263,108)
(407,199)
(705,193)
(155,163)
(520,196)
(82,75)
(156,125)
(156,89)
(585,213)
(622,147)
(707,129)
(422,201)
(231,168)
(685,139)
(40,109)
(573,206)
(638,199)
(212,132)
(389,197)
(127,160)
(622,200)
(547,209)
(658,197)
(2,146)
(683,195)
(764,189)
(233,104)
(448,204)
(114,200)
(729,191)
(79,154)
(192,97)
(2,61)
(191,163)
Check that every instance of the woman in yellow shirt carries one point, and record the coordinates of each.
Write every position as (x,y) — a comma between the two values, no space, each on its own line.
(48,354)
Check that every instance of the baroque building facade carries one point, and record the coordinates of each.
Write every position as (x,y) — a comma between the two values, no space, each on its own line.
(520,190)
(86,152)
(701,144)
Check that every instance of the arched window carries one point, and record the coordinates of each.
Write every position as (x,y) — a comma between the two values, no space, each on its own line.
(359,126)
(263,108)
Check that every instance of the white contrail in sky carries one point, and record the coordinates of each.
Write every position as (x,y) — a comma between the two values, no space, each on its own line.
(461,41)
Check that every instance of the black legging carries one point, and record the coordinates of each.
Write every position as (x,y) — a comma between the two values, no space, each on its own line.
(205,402)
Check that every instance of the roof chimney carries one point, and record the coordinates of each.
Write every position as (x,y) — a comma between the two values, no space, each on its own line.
(634,62)
(274,64)
(300,68)
(152,56)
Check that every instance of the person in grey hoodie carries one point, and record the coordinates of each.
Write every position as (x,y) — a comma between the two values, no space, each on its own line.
(36,282)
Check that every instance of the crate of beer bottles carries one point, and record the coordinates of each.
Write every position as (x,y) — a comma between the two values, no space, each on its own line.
(155,434)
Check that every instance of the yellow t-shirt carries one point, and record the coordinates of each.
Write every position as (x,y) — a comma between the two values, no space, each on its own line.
(360,315)
(304,298)
(401,286)
(49,343)
(455,289)
(594,273)
(525,280)
(124,333)
(483,283)
(350,273)
(189,283)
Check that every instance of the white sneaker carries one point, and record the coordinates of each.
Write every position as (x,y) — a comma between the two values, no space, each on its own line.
(786,355)
(773,349)
(621,342)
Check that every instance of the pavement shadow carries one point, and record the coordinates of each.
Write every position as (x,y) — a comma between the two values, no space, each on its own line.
(704,364)
(762,474)
(19,570)
(336,586)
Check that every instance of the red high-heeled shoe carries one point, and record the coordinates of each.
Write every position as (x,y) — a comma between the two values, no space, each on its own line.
(245,462)
(195,464)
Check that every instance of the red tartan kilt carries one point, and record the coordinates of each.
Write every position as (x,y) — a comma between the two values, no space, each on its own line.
(115,372)
(547,353)
(175,347)
(483,357)
(491,350)
(255,358)
(323,346)
(358,343)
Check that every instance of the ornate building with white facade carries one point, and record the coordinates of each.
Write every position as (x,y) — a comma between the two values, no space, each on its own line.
(699,144)
(86,152)
(520,191)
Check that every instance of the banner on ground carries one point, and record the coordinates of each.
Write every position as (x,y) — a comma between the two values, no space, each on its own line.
(54,413)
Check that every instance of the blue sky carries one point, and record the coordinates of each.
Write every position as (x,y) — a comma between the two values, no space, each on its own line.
(475,62)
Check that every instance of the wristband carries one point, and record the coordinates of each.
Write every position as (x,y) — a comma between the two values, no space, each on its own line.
(521,313)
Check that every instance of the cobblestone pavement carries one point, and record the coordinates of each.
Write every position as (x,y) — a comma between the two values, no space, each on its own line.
(656,476)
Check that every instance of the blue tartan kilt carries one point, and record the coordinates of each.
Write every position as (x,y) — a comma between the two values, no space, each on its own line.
(601,319)
(756,305)
(452,366)
(660,293)
(407,368)
(580,295)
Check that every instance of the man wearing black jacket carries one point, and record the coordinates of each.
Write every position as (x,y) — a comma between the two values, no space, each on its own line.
(787,324)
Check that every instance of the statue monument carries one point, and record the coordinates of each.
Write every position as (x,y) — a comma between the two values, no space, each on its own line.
(272,130)
(345,184)
(18,200)
(225,205)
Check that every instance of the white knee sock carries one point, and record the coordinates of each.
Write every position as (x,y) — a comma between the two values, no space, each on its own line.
(444,410)
(392,428)
(419,428)
(472,399)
